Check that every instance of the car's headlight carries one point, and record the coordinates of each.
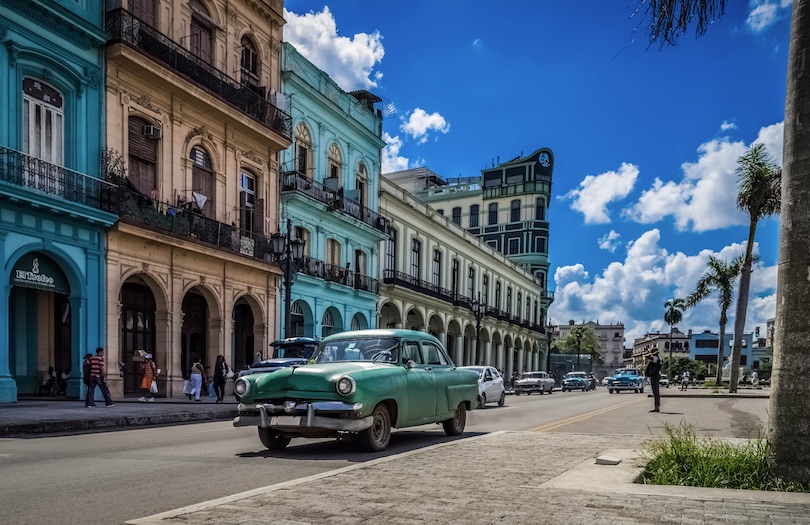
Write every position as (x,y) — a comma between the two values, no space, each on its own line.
(241,386)
(346,386)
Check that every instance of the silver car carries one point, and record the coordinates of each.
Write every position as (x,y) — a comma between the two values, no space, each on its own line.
(490,385)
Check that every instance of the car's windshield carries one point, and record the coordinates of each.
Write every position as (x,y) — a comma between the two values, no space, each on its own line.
(577,375)
(380,349)
(532,375)
(631,371)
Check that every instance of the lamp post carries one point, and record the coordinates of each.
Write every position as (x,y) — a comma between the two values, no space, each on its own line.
(549,335)
(289,251)
(579,343)
(478,309)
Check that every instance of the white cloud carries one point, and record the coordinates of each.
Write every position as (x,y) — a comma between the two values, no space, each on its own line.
(764,13)
(633,291)
(391,159)
(609,241)
(420,122)
(595,192)
(704,199)
(477,44)
(726,125)
(349,61)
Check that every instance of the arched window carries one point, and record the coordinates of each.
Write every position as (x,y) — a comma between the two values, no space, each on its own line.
(335,168)
(327,324)
(43,121)
(203,181)
(201,32)
(142,156)
(303,150)
(250,62)
(361,184)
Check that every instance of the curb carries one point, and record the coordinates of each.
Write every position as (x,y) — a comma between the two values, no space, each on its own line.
(56,427)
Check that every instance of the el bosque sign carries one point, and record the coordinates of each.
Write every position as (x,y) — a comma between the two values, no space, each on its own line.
(38,271)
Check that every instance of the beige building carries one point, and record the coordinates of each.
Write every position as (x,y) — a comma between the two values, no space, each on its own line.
(611,343)
(439,278)
(194,125)
(660,341)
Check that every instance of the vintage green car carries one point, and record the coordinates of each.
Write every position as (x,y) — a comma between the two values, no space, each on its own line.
(361,382)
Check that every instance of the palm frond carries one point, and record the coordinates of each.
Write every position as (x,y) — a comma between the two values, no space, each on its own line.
(670,19)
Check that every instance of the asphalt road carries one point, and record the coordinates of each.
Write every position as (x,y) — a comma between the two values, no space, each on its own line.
(111,477)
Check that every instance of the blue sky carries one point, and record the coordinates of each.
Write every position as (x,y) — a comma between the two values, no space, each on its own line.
(645,140)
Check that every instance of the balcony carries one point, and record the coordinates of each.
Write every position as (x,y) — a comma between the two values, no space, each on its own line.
(297,181)
(338,274)
(44,178)
(138,209)
(418,285)
(125,28)
(521,188)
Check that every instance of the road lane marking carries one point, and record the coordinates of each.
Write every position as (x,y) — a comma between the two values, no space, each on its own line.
(574,419)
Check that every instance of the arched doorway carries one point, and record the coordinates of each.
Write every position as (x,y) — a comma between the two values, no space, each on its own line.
(193,336)
(244,351)
(137,330)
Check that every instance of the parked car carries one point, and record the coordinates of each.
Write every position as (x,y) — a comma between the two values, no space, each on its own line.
(490,385)
(577,381)
(271,365)
(664,381)
(626,379)
(534,382)
(359,383)
(294,347)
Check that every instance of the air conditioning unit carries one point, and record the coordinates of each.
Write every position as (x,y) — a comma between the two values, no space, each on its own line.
(151,132)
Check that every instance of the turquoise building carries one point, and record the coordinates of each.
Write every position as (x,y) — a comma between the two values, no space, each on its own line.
(54,203)
(329,193)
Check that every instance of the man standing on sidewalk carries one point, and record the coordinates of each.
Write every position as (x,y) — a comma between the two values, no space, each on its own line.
(97,378)
(653,371)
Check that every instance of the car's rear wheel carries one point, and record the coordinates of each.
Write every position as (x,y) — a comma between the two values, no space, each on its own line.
(502,399)
(550,389)
(273,440)
(455,425)
(376,437)
(482,401)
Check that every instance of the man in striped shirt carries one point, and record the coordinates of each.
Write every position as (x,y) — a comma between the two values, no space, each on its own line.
(97,378)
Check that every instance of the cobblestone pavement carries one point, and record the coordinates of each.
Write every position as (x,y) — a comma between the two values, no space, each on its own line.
(504,477)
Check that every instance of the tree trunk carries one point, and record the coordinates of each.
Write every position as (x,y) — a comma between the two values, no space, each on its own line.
(742,306)
(721,350)
(789,424)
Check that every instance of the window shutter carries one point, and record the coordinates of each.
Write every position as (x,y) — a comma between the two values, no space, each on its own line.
(258,217)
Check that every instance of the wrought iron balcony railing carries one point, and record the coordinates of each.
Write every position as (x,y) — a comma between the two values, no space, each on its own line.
(297,181)
(123,27)
(418,285)
(339,275)
(55,181)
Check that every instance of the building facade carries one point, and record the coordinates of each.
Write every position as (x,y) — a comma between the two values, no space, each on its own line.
(704,346)
(194,134)
(506,207)
(679,341)
(611,344)
(439,278)
(54,207)
(329,194)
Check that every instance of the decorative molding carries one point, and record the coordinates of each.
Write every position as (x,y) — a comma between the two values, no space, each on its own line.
(13,52)
(250,155)
(231,14)
(146,267)
(200,131)
(144,101)
(275,46)
(94,76)
(202,280)
(3,31)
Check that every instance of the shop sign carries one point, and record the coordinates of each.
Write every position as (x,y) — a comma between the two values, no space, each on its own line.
(35,270)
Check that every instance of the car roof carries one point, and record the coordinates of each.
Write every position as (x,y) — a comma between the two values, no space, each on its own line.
(383,332)
(279,361)
(295,341)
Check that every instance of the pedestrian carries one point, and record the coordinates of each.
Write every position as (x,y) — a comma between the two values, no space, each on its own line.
(685,377)
(97,371)
(149,371)
(48,385)
(221,370)
(755,379)
(86,370)
(197,374)
(653,371)
(63,380)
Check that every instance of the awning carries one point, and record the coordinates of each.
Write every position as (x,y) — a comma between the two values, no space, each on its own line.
(36,270)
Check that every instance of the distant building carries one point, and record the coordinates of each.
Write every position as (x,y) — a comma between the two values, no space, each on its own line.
(704,347)
(661,341)
(611,345)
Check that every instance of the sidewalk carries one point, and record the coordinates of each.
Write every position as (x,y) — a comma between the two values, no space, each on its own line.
(512,478)
(47,415)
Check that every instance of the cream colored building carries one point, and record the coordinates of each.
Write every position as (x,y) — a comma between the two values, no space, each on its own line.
(196,124)
(611,343)
(436,276)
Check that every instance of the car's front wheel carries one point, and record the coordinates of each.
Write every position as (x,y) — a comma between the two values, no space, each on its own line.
(482,401)
(610,390)
(502,400)
(376,437)
(273,440)
(455,425)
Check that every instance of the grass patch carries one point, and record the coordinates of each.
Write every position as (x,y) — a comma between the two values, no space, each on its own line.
(681,458)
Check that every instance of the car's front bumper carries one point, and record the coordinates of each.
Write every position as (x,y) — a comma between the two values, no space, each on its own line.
(626,386)
(342,417)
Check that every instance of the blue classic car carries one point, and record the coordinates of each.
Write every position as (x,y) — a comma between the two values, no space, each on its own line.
(626,379)
(577,381)
(359,383)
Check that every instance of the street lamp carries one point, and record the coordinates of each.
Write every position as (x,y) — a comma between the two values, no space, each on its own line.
(579,342)
(478,309)
(549,335)
(289,251)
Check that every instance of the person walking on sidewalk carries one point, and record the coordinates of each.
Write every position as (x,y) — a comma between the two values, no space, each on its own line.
(685,380)
(220,377)
(653,371)
(149,370)
(196,376)
(97,379)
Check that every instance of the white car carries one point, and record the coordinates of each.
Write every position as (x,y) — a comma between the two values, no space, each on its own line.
(490,385)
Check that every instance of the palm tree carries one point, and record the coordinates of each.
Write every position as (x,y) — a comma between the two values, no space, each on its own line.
(720,277)
(759,195)
(790,391)
(673,316)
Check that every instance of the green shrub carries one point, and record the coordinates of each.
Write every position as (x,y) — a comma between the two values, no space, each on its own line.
(681,458)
